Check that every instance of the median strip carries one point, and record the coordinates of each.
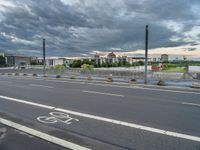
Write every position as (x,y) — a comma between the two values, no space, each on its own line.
(108,120)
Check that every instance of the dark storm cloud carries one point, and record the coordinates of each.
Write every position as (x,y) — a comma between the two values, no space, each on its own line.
(75,27)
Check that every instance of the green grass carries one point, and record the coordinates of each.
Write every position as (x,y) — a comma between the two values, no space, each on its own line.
(177,69)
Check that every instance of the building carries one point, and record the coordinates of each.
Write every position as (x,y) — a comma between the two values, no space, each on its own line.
(53,61)
(15,60)
(164,58)
(113,58)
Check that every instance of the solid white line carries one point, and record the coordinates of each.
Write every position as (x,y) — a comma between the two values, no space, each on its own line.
(26,102)
(42,135)
(109,94)
(118,122)
(192,104)
(39,85)
(132,125)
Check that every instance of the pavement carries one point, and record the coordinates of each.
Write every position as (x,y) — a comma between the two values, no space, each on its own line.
(101,116)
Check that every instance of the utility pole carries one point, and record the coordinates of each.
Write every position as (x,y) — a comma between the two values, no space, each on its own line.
(146,51)
(44,61)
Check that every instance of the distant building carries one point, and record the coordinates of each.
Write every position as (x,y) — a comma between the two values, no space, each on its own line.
(154,59)
(164,58)
(113,58)
(16,60)
(53,61)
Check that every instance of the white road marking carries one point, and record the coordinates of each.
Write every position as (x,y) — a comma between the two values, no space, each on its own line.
(118,122)
(192,104)
(38,85)
(109,94)
(42,135)
(57,117)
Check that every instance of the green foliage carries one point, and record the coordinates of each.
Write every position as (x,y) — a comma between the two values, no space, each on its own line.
(86,68)
(59,67)
(124,63)
(35,62)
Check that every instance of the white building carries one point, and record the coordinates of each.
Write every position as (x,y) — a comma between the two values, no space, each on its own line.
(113,58)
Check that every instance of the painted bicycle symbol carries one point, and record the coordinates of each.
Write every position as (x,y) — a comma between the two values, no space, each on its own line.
(57,117)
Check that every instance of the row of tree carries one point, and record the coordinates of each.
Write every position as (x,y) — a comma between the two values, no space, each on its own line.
(79,63)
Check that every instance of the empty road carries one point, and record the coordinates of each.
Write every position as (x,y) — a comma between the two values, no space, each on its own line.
(78,115)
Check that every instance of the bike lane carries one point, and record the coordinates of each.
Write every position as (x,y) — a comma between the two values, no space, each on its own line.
(87,132)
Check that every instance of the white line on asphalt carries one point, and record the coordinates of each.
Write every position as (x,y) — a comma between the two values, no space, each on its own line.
(192,104)
(26,102)
(108,94)
(42,135)
(118,122)
(39,85)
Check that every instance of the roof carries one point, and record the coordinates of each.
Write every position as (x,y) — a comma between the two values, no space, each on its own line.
(111,55)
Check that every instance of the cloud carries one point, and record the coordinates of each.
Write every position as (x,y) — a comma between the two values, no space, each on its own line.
(77,27)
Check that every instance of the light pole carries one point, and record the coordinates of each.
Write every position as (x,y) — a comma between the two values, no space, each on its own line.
(146,51)
(44,61)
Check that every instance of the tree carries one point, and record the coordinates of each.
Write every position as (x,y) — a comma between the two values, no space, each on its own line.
(86,68)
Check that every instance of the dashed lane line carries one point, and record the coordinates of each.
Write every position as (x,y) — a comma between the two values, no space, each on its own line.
(39,85)
(101,93)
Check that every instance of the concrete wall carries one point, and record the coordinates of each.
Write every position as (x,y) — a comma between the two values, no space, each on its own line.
(194,69)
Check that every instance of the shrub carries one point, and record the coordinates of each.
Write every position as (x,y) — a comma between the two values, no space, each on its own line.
(85,68)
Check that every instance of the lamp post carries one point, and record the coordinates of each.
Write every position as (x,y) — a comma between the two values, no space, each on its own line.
(146,51)
(44,61)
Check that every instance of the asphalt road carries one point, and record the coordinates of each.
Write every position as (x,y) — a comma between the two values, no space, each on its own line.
(104,116)
(12,139)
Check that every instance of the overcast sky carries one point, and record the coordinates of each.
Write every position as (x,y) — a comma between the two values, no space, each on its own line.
(82,27)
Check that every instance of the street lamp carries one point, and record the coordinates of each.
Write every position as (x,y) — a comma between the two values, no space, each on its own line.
(146,51)
(44,61)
